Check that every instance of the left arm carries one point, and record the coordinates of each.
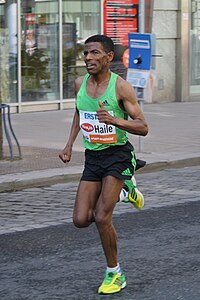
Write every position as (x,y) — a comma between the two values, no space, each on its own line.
(136,124)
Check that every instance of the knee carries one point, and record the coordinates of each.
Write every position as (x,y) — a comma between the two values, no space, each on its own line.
(102,220)
(81,221)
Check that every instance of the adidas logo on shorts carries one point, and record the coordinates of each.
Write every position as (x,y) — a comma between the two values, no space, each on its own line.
(127,172)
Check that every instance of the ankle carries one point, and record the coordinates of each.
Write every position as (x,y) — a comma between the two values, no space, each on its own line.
(116,269)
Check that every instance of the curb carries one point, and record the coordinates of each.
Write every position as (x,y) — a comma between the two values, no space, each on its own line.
(36,180)
(179,163)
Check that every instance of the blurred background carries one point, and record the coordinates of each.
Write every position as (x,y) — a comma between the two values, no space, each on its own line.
(42,42)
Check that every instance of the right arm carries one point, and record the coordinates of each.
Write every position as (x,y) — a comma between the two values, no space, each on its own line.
(65,154)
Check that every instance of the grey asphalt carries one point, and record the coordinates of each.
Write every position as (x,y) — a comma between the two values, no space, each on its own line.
(173,141)
(158,246)
(44,257)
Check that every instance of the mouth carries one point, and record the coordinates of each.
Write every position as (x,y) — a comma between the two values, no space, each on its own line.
(90,66)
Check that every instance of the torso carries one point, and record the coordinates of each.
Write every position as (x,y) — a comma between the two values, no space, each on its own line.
(96,91)
(97,135)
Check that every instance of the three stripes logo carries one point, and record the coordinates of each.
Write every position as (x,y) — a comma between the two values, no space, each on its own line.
(127,172)
(105,103)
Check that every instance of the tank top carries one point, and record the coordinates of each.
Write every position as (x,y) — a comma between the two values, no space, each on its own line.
(99,136)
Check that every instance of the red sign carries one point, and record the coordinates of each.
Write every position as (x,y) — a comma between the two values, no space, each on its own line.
(120,18)
(30,19)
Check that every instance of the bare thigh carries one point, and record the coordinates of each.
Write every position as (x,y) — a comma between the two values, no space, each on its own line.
(86,198)
(111,187)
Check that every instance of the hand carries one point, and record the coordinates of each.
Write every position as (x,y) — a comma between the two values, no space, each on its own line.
(103,115)
(65,154)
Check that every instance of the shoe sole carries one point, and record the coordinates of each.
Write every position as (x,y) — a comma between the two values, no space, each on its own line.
(122,287)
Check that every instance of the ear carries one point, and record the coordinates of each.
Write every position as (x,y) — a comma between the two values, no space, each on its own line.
(110,56)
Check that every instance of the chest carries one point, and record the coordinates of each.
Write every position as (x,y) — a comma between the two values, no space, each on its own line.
(96,91)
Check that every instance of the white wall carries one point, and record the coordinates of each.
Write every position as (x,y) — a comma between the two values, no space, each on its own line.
(165,16)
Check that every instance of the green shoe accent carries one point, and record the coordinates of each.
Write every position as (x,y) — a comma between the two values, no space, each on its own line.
(129,185)
(113,283)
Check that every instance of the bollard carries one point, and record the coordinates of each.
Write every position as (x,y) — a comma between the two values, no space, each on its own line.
(8,129)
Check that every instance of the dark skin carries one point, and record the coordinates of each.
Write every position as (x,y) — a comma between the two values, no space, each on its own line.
(95,201)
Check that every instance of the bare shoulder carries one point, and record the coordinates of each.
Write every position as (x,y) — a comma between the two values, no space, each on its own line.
(78,83)
(124,89)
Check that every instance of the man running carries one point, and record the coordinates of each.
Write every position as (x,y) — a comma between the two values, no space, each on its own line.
(104,102)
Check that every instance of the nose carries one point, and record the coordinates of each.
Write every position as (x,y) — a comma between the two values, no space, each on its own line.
(88,56)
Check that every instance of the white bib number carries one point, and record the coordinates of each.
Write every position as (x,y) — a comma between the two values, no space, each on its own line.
(96,132)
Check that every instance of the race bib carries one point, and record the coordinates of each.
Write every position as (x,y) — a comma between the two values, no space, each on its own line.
(95,132)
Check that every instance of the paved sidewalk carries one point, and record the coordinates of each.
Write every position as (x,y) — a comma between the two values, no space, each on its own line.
(173,141)
(34,208)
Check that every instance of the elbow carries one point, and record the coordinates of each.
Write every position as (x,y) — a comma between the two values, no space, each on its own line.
(145,130)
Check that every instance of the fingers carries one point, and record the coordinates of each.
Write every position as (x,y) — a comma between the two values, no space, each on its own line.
(101,105)
(65,158)
(103,115)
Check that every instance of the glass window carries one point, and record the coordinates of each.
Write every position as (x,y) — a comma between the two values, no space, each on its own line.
(39,45)
(8,53)
(40,50)
(195,48)
(81,19)
(86,15)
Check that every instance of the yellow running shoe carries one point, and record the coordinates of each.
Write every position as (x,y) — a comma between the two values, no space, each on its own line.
(136,198)
(113,283)
(130,194)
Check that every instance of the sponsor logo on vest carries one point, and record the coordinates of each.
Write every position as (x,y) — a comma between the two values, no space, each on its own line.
(105,103)
(90,116)
(87,127)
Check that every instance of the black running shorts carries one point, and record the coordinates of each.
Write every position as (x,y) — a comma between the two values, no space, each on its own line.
(117,161)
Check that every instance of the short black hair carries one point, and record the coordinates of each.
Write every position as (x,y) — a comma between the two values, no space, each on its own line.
(104,40)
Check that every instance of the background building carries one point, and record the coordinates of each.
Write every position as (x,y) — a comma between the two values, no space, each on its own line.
(41,44)
(177,28)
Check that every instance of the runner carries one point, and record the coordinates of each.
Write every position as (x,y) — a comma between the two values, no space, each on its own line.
(104,102)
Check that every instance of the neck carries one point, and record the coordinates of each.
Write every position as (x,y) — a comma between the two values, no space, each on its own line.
(103,78)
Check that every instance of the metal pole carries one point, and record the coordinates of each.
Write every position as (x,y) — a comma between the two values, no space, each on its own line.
(140,137)
(60,54)
(141,16)
(141,30)
(19,62)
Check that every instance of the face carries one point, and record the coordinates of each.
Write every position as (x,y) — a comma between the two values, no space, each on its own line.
(30,36)
(96,59)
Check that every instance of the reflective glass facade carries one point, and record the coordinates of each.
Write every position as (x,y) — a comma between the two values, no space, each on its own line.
(8,51)
(41,43)
(41,48)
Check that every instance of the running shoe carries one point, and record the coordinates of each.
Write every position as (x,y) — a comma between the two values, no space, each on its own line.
(135,197)
(128,186)
(113,283)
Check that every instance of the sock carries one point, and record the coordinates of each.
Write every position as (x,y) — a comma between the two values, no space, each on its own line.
(116,269)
